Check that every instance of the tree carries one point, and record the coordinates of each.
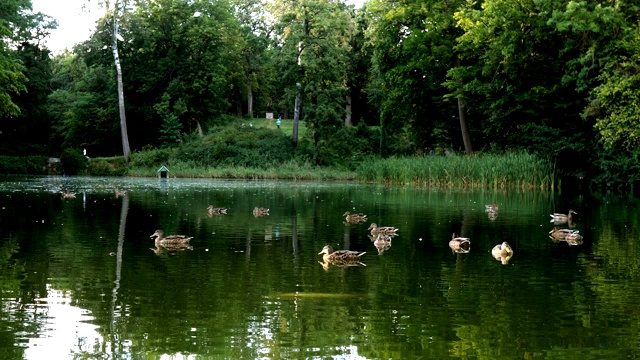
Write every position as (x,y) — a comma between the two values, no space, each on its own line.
(12,79)
(514,76)
(413,48)
(116,59)
(25,71)
(314,36)
(112,14)
(256,33)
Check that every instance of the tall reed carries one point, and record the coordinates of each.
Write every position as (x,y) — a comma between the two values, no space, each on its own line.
(479,171)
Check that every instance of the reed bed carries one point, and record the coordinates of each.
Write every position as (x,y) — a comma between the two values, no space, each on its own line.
(519,170)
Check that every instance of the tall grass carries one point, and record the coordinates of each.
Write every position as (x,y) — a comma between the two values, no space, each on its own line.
(520,170)
(289,170)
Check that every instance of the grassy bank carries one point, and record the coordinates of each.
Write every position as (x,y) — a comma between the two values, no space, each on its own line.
(479,171)
(519,170)
(256,149)
(287,171)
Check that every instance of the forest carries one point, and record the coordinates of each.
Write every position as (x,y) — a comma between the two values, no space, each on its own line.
(556,79)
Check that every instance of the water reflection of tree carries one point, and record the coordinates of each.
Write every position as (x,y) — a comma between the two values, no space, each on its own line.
(124,210)
(14,319)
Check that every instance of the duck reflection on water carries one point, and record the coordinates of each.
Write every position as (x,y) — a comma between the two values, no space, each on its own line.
(572,237)
(216,211)
(492,211)
(260,211)
(170,249)
(382,242)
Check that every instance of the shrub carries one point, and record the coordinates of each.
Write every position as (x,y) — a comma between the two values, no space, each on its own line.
(30,165)
(151,158)
(73,162)
(107,167)
(231,146)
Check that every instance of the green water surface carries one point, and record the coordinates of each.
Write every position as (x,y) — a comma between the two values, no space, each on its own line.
(81,278)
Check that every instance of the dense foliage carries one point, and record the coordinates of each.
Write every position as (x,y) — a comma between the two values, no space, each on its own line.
(556,79)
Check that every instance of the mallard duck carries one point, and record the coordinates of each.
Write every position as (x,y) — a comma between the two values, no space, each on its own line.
(68,195)
(491,208)
(170,239)
(460,244)
(216,211)
(502,249)
(562,218)
(574,238)
(328,254)
(354,218)
(260,211)
(502,252)
(562,234)
(387,230)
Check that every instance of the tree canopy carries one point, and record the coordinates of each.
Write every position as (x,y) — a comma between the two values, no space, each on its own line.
(554,78)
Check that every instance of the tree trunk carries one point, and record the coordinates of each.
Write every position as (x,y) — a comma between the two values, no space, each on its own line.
(200,133)
(466,137)
(347,118)
(238,104)
(296,116)
(123,119)
(249,97)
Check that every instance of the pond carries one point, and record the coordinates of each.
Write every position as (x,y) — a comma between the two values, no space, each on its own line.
(82,278)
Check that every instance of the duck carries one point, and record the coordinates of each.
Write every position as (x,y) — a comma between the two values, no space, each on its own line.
(574,238)
(562,234)
(502,249)
(216,211)
(502,252)
(354,218)
(491,208)
(460,245)
(170,240)
(68,195)
(328,254)
(387,230)
(562,218)
(260,211)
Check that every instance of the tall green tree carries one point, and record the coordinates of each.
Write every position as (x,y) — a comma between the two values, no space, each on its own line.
(24,80)
(117,7)
(413,47)
(81,106)
(256,31)
(314,36)
(183,55)
(516,77)
(606,65)
(12,79)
